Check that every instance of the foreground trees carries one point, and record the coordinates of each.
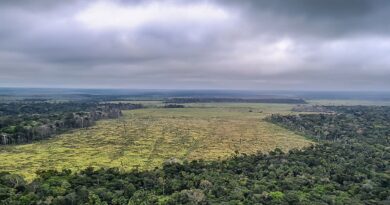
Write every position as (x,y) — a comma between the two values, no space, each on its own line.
(348,169)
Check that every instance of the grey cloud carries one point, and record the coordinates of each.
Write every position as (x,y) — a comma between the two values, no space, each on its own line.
(318,19)
(265,45)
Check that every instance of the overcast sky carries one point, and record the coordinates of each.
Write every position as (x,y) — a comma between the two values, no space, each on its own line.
(177,44)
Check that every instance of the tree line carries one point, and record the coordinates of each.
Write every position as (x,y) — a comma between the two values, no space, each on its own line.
(173,106)
(26,122)
(235,100)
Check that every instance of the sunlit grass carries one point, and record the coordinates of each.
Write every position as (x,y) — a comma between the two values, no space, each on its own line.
(145,138)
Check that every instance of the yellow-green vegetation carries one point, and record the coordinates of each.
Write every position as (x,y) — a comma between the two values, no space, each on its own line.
(145,138)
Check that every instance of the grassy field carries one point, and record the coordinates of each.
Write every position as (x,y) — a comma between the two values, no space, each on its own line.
(145,138)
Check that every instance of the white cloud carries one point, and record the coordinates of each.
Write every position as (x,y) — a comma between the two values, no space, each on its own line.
(105,15)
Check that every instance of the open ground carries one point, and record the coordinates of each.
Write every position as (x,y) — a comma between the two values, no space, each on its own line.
(144,139)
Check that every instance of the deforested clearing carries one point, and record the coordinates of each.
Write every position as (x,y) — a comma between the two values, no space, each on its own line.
(144,139)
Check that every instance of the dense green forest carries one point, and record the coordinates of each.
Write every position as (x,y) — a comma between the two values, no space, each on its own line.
(369,124)
(22,122)
(349,165)
(27,107)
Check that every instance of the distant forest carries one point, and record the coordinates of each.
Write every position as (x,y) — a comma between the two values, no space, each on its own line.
(348,165)
(236,100)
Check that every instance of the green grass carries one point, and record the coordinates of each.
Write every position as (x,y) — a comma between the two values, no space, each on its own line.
(145,138)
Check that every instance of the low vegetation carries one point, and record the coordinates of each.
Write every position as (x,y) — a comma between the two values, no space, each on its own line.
(145,138)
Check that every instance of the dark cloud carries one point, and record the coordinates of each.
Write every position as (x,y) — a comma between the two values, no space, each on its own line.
(257,44)
(330,18)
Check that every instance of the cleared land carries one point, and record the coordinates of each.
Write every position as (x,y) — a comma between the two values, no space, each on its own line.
(145,138)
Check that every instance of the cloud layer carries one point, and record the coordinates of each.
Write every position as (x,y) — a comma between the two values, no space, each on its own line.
(215,44)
